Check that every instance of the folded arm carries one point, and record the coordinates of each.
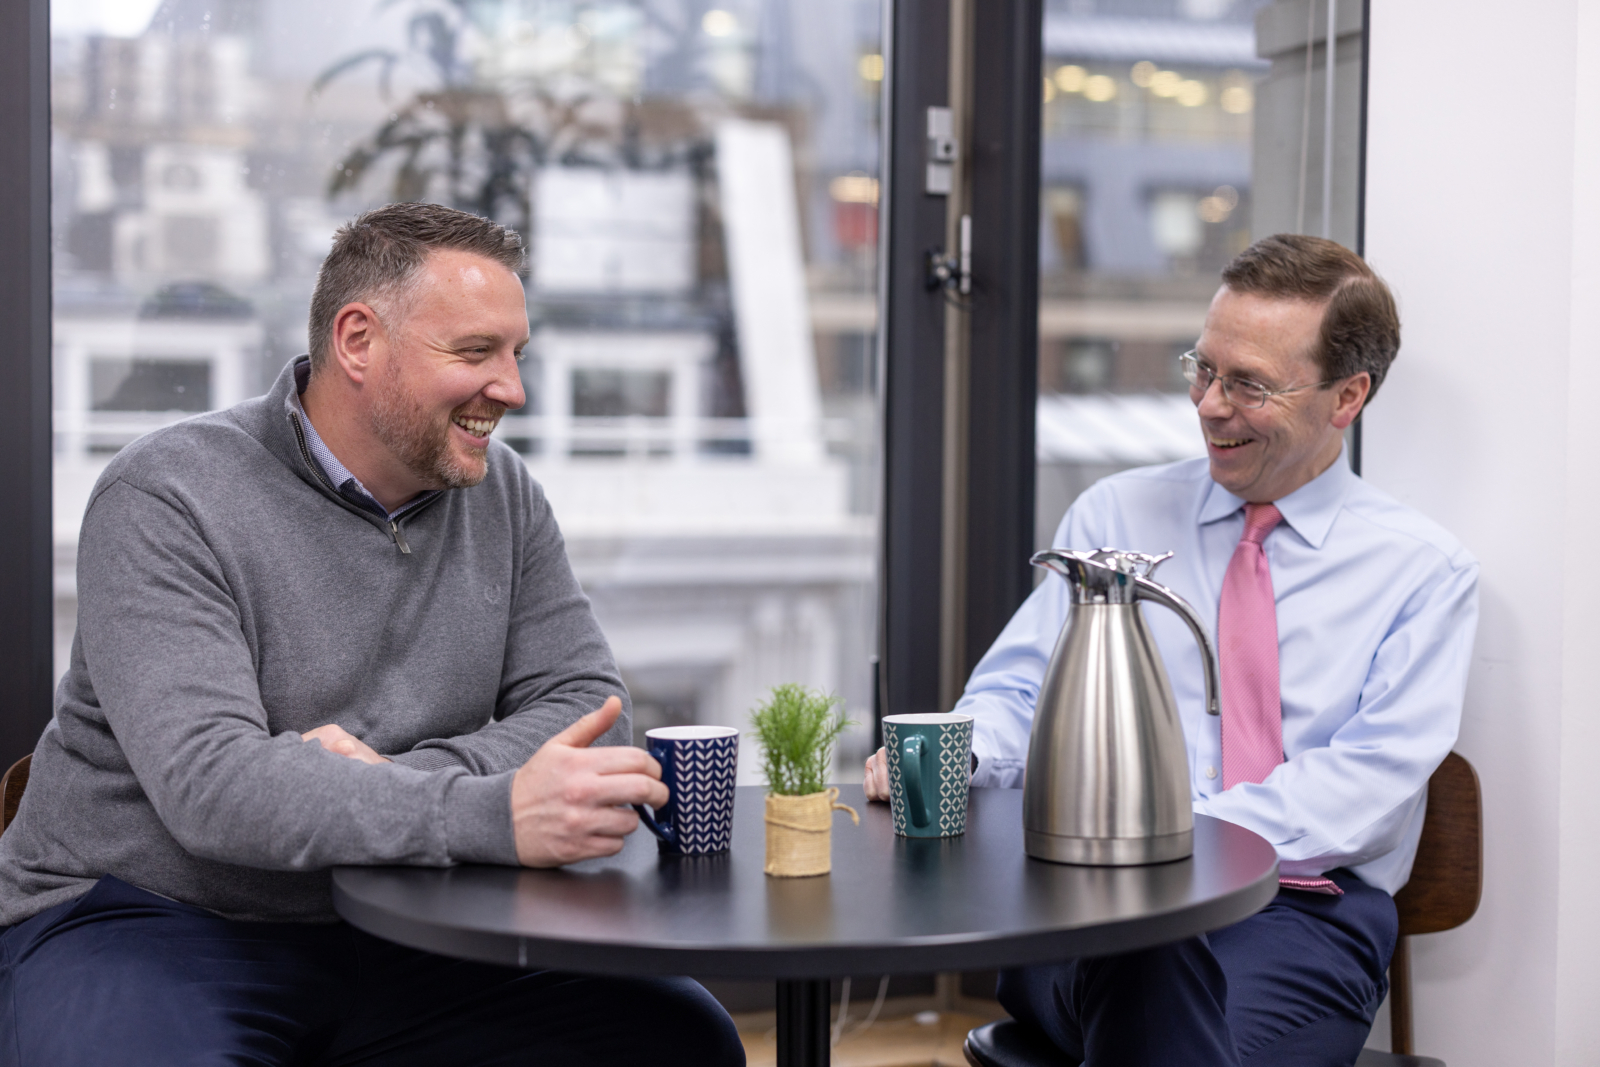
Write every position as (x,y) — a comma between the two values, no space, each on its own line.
(1004,687)
(1351,801)
(569,802)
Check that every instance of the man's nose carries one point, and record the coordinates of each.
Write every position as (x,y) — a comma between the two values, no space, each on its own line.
(1214,402)
(506,386)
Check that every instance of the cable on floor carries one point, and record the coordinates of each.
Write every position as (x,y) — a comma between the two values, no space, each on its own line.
(877,1006)
(844,1010)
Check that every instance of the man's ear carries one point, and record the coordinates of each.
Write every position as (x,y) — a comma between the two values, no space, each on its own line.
(1350,395)
(357,334)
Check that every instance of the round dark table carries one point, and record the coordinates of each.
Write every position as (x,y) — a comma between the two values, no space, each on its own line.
(891,905)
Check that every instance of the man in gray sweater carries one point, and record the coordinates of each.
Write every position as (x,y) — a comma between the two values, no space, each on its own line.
(332,625)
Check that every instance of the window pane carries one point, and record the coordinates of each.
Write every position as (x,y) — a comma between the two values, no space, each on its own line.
(1175,133)
(121,384)
(697,187)
(618,392)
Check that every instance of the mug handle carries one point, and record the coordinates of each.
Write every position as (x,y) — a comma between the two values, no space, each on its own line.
(911,770)
(662,831)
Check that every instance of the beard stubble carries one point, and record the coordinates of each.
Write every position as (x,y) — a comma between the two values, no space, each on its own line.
(421,439)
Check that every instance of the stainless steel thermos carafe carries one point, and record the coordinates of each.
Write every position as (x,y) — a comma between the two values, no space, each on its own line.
(1108,774)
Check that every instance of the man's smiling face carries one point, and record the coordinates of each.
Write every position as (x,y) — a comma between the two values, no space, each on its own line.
(1264,454)
(451,369)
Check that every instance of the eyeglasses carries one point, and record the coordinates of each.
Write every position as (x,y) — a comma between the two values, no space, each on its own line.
(1240,392)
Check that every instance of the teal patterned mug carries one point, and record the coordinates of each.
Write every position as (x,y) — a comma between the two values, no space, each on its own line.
(930,770)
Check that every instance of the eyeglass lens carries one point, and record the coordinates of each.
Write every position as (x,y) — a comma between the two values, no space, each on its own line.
(1244,393)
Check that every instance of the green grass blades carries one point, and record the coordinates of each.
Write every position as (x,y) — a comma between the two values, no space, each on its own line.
(796,730)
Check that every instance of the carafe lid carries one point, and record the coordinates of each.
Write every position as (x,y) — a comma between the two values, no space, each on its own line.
(1100,575)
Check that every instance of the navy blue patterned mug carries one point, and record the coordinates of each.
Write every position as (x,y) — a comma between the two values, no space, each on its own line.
(697,767)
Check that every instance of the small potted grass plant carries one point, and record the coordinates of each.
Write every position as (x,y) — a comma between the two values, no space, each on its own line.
(797,729)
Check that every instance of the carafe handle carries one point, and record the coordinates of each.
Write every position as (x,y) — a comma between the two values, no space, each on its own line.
(1145,589)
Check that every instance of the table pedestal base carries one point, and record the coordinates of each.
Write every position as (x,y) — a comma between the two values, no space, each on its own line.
(803,1029)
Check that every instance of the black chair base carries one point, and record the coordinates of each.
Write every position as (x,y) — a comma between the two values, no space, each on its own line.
(1008,1043)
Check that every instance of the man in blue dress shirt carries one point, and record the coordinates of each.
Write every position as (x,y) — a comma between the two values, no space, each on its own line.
(1375,607)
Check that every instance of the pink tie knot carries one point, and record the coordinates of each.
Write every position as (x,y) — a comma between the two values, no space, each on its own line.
(1259,520)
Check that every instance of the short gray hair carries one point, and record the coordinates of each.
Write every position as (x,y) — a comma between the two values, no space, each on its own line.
(377,255)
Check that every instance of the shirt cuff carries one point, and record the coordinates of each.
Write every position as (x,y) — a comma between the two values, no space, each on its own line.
(427,759)
(477,819)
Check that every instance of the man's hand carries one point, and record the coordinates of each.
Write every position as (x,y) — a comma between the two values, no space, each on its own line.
(567,801)
(876,783)
(342,743)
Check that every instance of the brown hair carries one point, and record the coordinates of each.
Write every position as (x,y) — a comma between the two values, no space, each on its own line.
(1360,325)
(377,256)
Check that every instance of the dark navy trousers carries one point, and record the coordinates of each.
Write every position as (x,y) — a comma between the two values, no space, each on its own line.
(124,977)
(1295,985)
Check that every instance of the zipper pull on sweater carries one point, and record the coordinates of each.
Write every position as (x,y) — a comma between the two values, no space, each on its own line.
(399,538)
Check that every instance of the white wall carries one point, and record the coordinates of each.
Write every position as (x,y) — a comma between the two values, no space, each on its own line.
(1484,213)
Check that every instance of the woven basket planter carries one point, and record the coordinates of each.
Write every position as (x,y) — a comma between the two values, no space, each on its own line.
(799,842)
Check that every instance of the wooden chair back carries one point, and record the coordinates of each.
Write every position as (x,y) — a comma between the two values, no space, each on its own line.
(1446,880)
(12,783)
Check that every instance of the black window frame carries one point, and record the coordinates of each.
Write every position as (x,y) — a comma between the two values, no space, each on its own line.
(26,653)
(1000,377)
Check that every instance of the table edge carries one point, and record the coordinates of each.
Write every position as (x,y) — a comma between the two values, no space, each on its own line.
(954,952)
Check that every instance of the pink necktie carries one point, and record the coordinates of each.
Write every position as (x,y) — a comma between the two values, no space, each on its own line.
(1247,638)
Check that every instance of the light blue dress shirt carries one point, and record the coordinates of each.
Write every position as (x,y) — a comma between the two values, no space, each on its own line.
(1377,608)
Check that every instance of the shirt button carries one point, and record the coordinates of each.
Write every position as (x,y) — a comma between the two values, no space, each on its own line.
(1211,772)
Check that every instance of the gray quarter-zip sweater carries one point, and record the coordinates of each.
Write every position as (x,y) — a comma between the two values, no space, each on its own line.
(228,599)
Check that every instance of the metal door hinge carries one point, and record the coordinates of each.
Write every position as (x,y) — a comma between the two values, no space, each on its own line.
(942,152)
